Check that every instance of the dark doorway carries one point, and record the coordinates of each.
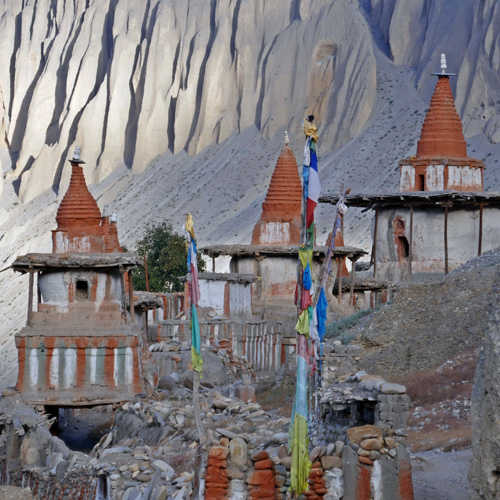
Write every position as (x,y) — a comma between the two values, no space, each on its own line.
(80,428)
(403,247)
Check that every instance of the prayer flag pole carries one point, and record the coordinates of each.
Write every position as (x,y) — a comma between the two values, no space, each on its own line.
(196,359)
(299,434)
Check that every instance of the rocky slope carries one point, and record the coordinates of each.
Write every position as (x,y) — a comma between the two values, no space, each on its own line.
(430,322)
(180,106)
(129,82)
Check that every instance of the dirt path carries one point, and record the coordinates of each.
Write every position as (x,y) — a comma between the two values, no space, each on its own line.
(441,476)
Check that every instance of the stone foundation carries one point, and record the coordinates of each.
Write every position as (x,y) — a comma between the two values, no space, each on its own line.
(338,471)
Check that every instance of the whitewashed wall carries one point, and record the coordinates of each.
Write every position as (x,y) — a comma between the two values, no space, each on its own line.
(428,238)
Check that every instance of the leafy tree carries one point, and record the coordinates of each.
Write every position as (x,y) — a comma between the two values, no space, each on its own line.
(166,256)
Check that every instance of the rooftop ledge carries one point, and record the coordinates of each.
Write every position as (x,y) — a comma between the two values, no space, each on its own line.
(276,250)
(443,198)
(45,261)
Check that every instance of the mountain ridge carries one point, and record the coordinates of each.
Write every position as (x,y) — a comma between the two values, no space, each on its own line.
(79,74)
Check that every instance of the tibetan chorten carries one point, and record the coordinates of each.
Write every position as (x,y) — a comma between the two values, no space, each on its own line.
(279,223)
(441,217)
(80,346)
(441,162)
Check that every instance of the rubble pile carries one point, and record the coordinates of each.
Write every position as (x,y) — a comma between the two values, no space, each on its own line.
(152,450)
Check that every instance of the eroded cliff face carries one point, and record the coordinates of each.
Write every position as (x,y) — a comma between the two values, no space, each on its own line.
(130,80)
(180,105)
(468,31)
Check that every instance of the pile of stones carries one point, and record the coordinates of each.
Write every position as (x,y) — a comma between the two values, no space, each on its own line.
(370,444)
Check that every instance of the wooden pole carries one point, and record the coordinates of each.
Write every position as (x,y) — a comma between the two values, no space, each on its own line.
(446,240)
(130,295)
(30,296)
(146,272)
(198,493)
(340,262)
(303,240)
(145,321)
(374,253)
(480,242)
(351,291)
(38,291)
(124,295)
(196,406)
(410,250)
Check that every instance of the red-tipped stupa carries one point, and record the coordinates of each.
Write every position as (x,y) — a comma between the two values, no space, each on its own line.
(279,223)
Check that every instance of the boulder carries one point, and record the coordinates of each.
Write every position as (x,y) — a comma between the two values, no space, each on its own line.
(330,462)
(389,388)
(245,393)
(358,434)
(238,451)
(166,383)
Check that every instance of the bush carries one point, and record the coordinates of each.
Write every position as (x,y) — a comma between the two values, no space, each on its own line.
(166,256)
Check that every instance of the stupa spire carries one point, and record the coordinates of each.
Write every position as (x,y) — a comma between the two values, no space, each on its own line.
(279,223)
(442,133)
(78,207)
(441,162)
(78,217)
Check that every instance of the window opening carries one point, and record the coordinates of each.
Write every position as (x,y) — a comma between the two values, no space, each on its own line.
(82,290)
(403,247)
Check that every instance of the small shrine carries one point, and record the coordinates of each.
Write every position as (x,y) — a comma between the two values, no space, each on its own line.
(80,345)
(272,255)
(441,217)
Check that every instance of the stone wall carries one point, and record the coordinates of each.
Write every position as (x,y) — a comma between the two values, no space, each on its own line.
(31,457)
(362,399)
(427,239)
(368,466)
(151,450)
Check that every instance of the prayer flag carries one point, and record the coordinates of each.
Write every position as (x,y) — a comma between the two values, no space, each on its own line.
(313,188)
(194,293)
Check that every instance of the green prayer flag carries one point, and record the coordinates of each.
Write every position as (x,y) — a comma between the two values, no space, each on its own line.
(302,325)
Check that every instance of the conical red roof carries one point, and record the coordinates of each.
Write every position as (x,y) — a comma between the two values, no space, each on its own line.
(284,196)
(442,134)
(78,207)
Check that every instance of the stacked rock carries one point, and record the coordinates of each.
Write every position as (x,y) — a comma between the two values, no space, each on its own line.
(317,486)
(238,457)
(370,443)
(370,456)
(216,480)
(261,485)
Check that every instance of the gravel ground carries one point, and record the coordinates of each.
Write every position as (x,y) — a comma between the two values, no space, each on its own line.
(13,493)
(441,476)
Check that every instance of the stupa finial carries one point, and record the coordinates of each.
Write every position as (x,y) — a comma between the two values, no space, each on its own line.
(287,139)
(443,64)
(444,67)
(76,156)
